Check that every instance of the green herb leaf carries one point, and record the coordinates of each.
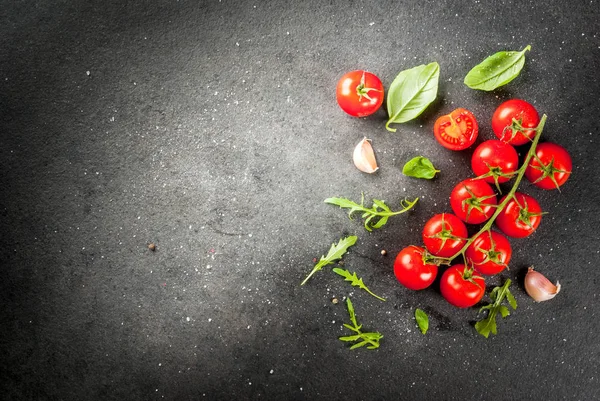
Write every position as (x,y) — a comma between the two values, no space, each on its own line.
(335,252)
(411,92)
(497,295)
(496,70)
(419,167)
(355,281)
(371,340)
(422,320)
(373,212)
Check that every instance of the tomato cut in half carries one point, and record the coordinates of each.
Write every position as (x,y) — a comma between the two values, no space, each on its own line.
(359,93)
(457,130)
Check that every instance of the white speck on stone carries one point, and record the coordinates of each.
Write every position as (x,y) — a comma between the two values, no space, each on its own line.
(209,320)
(87,73)
(187,319)
(271,371)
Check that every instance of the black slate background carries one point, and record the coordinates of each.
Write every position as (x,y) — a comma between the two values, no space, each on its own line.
(211,129)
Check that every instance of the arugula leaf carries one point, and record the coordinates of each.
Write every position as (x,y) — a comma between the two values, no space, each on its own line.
(370,213)
(335,252)
(419,167)
(411,92)
(422,320)
(371,340)
(496,70)
(355,281)
(497,295)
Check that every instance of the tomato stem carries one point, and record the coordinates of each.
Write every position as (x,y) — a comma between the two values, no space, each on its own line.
(511,194)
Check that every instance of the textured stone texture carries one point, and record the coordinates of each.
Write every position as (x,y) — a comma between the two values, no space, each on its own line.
(211,130)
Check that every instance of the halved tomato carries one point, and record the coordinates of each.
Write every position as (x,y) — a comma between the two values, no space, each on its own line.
(457,130)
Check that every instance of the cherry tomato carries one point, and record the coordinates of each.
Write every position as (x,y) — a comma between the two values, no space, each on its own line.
(461,286)
(444,235)
(413,269)
(359,93)
(495,161)
(520,217)
(473,201)
(550,167)
(457,130)
(524,113)
(489,253)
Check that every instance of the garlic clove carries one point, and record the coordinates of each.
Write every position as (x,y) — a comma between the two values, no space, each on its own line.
(364,157)
(539,287)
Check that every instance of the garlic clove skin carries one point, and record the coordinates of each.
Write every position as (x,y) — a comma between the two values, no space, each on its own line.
(364,157)
(539,287)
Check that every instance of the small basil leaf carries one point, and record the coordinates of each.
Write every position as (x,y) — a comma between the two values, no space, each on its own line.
(419,167)
(496,70)
(422,320)
(411,92)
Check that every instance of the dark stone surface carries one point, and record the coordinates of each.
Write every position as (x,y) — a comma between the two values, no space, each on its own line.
(211,130)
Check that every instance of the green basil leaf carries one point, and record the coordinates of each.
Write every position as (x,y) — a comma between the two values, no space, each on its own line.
(496,70)
(422,320)
(419,167)
(411,92)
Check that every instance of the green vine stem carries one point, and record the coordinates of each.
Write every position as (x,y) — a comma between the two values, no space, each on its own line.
(521,172)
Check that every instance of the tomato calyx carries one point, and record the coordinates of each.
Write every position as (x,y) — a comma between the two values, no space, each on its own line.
(548,171)
(491,255)
(469,274)
(516,128)
(361,91)
(525,215)
(474,202)
(445,234)
(496,173)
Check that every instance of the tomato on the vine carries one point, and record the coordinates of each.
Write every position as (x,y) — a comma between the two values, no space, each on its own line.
(495,161)
(461,286)
(520,217)
(413,269)
(473,201)
(489,253)
(359,93)
(526,116)
(457,130)
(550,166)
(444,235)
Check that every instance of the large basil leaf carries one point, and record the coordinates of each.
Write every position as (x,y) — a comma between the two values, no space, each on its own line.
(496,70)
(411,92)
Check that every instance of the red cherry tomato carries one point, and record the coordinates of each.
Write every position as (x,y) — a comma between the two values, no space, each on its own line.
(473,201)
(520,217)
(489,253)
(444,235)
(461,286)
(359,93)
(457,130)
(413,270)
(495,161)
(524,113)
(550,167)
